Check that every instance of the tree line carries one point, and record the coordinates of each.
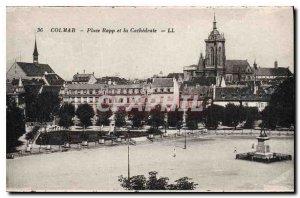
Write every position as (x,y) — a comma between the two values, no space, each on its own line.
(280,112)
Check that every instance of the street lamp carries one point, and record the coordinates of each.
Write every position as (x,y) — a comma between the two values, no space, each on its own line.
(128,157)
(184,139)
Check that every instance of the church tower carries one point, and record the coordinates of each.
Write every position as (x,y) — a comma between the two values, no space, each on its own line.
(215,52)
(35,53)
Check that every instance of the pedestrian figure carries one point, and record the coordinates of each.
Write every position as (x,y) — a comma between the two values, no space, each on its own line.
(235,150)
(174,153)
(252,146)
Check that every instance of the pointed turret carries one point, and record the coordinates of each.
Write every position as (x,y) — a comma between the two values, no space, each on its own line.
(201,61)
(215,23)
(35,53)
(254,64)
(20,82)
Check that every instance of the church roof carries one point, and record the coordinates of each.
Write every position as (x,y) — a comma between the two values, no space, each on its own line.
(280,71)
(35,69)
(237,66)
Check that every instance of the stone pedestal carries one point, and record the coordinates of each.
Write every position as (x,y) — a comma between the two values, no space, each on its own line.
(262,148)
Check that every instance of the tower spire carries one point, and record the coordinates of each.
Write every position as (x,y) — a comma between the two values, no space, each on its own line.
(215,22)
(255,64)
(35,51)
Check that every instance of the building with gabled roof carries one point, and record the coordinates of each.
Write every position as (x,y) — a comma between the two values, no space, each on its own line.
(29,71)
(241,95)
(267,73)
(84,78)
(53,79)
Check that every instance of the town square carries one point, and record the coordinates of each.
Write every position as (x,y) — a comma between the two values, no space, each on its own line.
(203,101)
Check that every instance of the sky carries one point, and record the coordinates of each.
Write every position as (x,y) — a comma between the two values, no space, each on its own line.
(264,34)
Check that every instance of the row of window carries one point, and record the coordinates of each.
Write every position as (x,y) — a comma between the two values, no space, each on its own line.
(229,78)
(235,95)
(157,90)
(110,91)
(110,100)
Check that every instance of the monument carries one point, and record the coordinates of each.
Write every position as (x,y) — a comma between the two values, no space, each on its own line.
(263,152)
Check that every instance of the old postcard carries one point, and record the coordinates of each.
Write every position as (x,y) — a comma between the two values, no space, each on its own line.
(144,99)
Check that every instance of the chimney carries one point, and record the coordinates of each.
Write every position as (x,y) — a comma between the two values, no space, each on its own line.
(84,71)
(276,64)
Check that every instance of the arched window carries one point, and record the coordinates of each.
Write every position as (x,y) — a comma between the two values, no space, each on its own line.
(212,56)
(219,55)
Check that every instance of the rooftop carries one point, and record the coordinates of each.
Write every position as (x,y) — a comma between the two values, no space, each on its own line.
(162,82)
(280,71)
(35,69)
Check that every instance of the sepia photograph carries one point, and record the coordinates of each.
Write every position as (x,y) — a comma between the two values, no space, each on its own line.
(150,99)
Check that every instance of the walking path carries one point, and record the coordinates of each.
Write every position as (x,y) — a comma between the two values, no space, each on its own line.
(171,135)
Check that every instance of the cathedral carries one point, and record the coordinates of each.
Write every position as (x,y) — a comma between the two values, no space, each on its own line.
(214,68)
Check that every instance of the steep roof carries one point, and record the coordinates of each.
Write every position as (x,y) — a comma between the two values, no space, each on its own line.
(175,75)
(82,77)
(128,86)
(35,52)
(202,91)
(86,86)
(51,88)
(201,81)
(279,71)
(115,79)
(162,82)
(35,69)
(54,79)
(237,66)
(190,67)
(240,94)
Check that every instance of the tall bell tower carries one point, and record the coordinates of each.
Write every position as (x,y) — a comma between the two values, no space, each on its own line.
(215,52)
(35,53)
